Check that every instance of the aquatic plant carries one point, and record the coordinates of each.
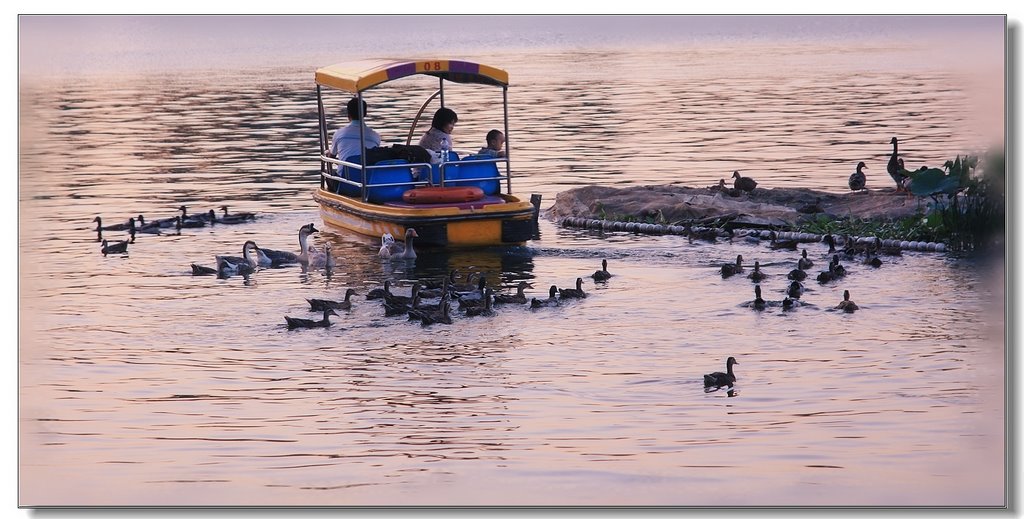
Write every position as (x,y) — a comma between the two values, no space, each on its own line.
(967,207)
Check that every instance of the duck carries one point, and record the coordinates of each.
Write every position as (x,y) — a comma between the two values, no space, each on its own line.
(476,292)
(199,270)
(390,298)
(838,269)
(236,216)
(324,260)
(552,300)
(850,247)
(518,298)
(379,293)
(229,265)
(827,275)
(485,310)
(758,303)
(846,305)
(601,275)
(405,250)
(788,304)
(895,166)
(722,188)
(316,305)
(719,379)
(804,262)
(448,280)
(394,308)
(115,227)
(181,223)
(295,322)
(466,302)
(117,247)
(138,226)
(195,221)
(279,257)
(443,317)
(743,183)
(709,235)
(777,244)
(756,275)
(871,259)
(830,241)
(730,269)
(795,290)
(858,179)
(573,293)
(441,291)
(797,275)
(887,250)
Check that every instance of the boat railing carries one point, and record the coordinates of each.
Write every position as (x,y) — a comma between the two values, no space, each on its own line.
(413,166)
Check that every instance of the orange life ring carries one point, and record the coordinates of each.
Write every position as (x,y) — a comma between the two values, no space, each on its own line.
(442,195)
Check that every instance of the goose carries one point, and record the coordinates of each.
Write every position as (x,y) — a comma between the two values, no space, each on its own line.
(117,247)
(228,265)
(719,379)
(895,167)
(443,317)
(115,227)
(776,244)
(573,293)
(550,301)
(279,257)
(406,250)
(483,310)
(758,303)
(379,293)
(600,275)
(858,179)
(323,259)
(795,290)
(237,216)
(797,275)
(743,183)
(756,276)
(730,269)
(846,305)
(199,270)
(316,305)
(295,322)
(804,262)
(518,298)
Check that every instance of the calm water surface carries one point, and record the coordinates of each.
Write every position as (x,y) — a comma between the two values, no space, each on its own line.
(141,384)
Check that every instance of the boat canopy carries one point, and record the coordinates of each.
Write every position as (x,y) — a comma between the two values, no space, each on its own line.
(357,76)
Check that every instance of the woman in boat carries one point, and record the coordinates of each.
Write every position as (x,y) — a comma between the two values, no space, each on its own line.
(495,141)
(345,143)
(439,136)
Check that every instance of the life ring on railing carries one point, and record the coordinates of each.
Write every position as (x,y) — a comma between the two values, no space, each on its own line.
(442,195)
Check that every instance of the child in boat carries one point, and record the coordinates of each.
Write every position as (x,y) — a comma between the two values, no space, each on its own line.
(439,136)
(495,141)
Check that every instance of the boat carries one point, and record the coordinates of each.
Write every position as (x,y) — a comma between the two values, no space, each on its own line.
(392,195)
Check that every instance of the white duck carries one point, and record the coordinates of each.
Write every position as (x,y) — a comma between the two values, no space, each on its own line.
(279,257)
(323,259)
(405,250)
(385,245)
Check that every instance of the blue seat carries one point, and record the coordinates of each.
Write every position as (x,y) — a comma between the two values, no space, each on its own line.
(435,169)
(473,167)
(400,173)
(350,174)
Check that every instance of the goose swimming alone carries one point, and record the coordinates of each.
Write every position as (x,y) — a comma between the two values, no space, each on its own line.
(295,322)
(719,379)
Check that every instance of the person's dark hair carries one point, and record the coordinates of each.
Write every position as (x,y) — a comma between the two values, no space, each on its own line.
(353,109)
(443,117)
(492,136)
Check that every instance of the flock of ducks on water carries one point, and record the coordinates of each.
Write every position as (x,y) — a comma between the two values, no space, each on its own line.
(435,301)
(171,225)
(858,179)
(868,254)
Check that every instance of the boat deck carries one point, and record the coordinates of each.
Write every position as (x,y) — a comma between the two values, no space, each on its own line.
(477,204)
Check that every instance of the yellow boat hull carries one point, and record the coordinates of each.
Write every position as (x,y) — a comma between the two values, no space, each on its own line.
(508,223)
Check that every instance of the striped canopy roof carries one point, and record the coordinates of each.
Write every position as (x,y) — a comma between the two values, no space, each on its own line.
(357,76)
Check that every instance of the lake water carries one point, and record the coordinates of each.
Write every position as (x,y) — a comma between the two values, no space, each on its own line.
(140,384)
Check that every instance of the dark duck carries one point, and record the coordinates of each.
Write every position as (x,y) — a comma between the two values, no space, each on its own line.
(756,275)
(742,183)
(295,322)
(730,269)
(804,262)
(719,379)
(552,299)
(518,298)
(858,180)
(318,305)
(573,293)
(603,274)
(758,303)
(846,305)
(895,167)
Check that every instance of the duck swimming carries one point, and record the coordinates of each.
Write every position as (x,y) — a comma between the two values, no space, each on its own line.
(385,245)
(758,303)
(781,244)
(846,305)
(379,293)
(797,275)
(838,270)
(830,241)
(199,270)
(743,183)
(719,379)
(756,276)
(858,179)
(518,298)
(117,247)
(295,322)
(730,269)
(485,310)
(573,293)
(405,250)
(230,265)
(795,290)
(603,274)
(316,305)
(443,317)
(550,301)
(804,262)
(236,216)
(278,257)
(115,227)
